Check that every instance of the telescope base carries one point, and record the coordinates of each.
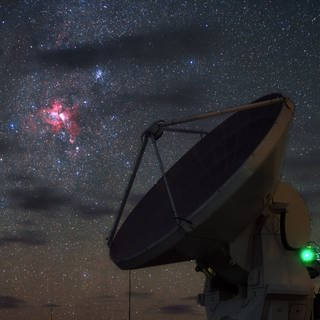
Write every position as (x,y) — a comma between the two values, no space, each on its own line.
(278,286)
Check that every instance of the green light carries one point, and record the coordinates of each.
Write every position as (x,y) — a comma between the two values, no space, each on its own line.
(308,255)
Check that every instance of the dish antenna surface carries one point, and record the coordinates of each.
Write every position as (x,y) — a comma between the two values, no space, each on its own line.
(223,205)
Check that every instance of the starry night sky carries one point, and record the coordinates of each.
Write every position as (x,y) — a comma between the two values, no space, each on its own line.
(79,82)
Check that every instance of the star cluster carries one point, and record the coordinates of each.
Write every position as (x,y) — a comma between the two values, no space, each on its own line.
(80,81)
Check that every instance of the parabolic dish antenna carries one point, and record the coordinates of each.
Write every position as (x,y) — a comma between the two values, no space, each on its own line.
(216,190)
(224,205)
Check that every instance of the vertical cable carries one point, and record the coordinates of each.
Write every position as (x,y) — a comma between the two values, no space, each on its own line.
(129,297)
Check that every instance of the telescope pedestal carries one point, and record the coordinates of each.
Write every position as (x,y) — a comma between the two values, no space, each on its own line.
(278,285)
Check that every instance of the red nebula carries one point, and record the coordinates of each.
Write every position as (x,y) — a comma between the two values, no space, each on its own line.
(60,118)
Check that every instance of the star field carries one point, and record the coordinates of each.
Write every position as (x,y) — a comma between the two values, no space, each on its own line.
(79,82)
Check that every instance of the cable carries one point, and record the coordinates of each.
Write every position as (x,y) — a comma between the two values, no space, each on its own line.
(129,297)
(283,233)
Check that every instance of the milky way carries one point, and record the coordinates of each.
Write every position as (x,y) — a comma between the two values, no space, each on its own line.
(80,81)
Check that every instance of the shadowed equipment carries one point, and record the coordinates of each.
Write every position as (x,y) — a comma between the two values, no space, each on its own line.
(223,204)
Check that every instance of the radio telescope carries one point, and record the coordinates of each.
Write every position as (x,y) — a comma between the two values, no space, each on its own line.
(223,204)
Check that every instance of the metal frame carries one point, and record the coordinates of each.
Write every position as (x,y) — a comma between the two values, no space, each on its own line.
(155,131)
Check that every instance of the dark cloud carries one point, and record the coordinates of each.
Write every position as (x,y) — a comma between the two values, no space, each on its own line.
(104,297)
(92,211)
(10,302)
(313,196)
(4,145)
(20,178)
(27,223)
(177,309)
(186,94)
(191,298)
(161,44)
(313,126)
(47,199)
(25,237)
(307,163)
(312,199)
(141,295)
(302,168)
(9,145)
(51,305)
(39,198)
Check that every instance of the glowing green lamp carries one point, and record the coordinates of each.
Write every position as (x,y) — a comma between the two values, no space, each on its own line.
(308,255)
